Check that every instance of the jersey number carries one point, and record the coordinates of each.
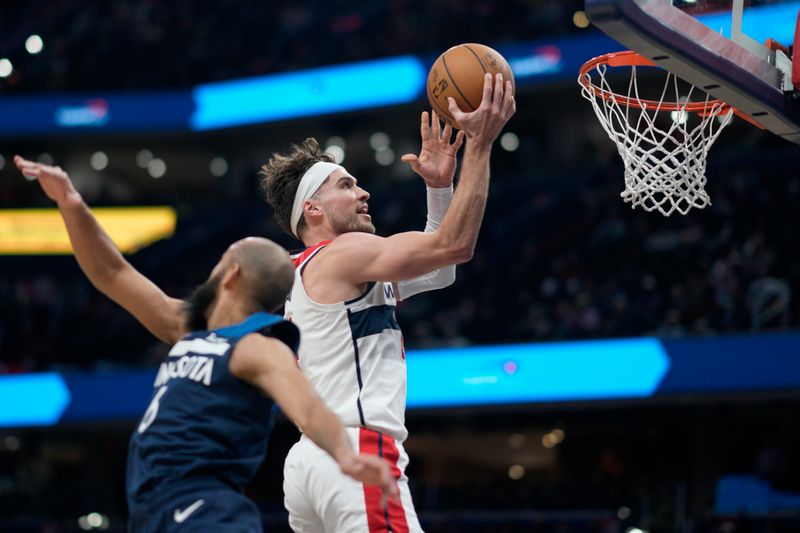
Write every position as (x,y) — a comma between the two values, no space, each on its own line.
(152,410)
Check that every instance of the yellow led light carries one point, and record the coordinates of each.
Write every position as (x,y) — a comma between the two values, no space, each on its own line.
(42,231)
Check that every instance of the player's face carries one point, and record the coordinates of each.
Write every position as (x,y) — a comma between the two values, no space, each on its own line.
(199,301)
(345,204)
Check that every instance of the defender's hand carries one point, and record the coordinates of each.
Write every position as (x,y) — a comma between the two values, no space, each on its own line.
(497,106)
(436,162)
(53,180)
(372,470)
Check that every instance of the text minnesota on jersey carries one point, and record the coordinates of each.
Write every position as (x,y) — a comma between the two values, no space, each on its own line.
(195,367)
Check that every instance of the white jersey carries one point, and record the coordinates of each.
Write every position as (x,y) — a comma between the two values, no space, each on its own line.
(352,352)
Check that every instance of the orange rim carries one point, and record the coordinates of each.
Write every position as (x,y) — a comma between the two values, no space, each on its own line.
(629,58)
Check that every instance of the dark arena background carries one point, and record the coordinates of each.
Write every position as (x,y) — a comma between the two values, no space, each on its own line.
(594,368)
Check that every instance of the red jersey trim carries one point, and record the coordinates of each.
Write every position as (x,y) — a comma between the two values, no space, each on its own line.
(393,518)
(302,256)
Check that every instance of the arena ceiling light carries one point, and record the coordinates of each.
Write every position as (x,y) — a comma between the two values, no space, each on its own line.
(99,161)
(93,521)
(337,141)
(379,140)
(156,168)
(337,152)
(336,147)
(6,68)
(218,167)
(516,472)
(143,158)
(580,20)
(509,141)
(34,44)
(384,156)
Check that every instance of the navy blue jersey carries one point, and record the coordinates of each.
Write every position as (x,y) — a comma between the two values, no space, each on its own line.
(203,423)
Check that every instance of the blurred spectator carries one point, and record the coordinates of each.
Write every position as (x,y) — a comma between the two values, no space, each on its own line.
(595,269)
(179,43)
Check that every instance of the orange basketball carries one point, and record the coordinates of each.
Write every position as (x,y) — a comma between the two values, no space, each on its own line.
(459,72)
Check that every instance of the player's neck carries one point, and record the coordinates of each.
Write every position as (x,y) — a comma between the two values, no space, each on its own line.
(227,313)
(314,235)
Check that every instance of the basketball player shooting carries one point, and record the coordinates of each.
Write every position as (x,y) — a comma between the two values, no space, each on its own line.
(205,432)
(346,285)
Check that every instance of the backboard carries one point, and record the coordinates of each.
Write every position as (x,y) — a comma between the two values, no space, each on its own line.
(702,42)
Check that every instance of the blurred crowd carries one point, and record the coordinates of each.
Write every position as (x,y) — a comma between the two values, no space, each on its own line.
(655,468)
(154,44)
(558,259)
(599,269)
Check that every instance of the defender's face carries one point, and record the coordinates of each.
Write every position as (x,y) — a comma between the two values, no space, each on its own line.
(202,298)
(198,303)
(344,204)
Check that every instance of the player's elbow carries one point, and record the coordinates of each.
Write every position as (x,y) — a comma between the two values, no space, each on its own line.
(455,256)
(305,417)
(301,423)
(462,254)
(458,250)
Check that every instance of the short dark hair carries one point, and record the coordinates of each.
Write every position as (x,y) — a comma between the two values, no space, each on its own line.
(280,177)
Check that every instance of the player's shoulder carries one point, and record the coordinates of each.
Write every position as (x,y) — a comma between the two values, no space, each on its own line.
(256,341)
(254,350)
(354,240)
(342,257)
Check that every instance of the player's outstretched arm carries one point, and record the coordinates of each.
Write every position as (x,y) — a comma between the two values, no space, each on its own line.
(436,165)
(408,255)
(270,366)
(100,259)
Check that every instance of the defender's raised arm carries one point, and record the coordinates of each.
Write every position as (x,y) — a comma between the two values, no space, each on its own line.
(102,262)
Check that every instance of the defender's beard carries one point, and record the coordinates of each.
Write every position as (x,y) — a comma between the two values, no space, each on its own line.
(198,303)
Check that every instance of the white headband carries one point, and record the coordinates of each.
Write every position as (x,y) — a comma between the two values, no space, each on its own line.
(309,184)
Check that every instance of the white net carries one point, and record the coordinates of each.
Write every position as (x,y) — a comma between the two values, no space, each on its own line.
(663,146)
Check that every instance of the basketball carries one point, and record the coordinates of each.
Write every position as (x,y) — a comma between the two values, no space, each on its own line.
(459,72)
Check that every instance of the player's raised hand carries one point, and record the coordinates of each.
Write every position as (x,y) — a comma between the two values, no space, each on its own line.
(372,470)
(53,180)
(497,106)
(436,162)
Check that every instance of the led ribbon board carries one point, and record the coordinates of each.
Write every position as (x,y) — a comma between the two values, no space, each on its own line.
(513,374)
(530,373)
(32,399)
(308,93)
(42,231)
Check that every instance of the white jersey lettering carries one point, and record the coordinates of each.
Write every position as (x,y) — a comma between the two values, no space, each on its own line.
(196,368)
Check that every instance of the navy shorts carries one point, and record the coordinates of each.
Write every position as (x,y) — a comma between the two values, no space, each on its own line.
(201,510)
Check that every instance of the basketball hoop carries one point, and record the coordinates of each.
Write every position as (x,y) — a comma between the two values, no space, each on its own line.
(664,156)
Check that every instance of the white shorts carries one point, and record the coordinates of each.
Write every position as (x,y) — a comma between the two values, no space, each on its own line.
(320,499)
